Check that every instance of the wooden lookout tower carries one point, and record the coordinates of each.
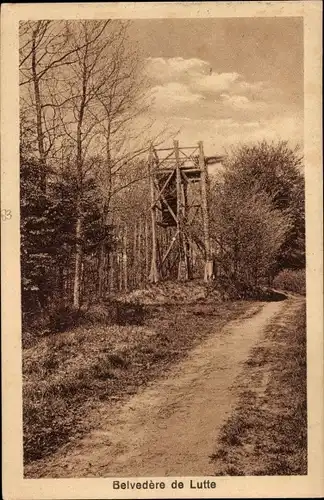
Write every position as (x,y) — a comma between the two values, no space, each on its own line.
(179,199)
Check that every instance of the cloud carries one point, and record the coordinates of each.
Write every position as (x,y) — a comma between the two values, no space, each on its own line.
(216,82)
(167,69)
(242,102)
(198,75)
(173,93)
(235,101)
(254,125)
(252,86)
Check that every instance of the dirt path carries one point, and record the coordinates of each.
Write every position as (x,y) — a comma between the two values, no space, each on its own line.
(169,428)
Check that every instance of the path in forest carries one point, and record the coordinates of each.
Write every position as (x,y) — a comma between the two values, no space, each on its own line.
(169,428)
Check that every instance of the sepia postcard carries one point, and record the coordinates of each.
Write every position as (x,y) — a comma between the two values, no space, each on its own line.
(162,250)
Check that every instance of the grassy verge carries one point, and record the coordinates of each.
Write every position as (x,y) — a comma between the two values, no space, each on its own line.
(267,434)
(65,375)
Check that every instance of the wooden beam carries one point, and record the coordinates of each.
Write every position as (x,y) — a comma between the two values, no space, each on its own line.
(208,274)
(160,161)
(154,273)
(169,208)
(169,248)
(183,271)
(160,192)
(172,149)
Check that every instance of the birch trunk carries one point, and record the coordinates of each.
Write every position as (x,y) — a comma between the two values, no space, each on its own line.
(125,260)
(78,265)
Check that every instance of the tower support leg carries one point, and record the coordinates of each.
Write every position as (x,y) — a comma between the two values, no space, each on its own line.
(208,272)
(154,276)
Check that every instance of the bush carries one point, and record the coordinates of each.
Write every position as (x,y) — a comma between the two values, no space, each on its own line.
(62,317)
(116,312)
(291,280)
(129,313)
(57,318)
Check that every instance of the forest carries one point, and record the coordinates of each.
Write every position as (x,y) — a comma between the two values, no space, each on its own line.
(84,190)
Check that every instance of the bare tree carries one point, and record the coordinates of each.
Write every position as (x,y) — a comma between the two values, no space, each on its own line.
(44,49)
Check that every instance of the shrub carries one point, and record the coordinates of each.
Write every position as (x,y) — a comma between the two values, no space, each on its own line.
(62,317)
(291,280)
(129,313)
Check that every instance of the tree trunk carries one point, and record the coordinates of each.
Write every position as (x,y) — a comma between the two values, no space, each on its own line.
(101,270)
(105,218)
(39,120)
(125,260)
(78,265)
(112,272)
(139,257)
(147,253)
(134,259)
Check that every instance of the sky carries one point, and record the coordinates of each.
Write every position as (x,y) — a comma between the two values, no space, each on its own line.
(224,81)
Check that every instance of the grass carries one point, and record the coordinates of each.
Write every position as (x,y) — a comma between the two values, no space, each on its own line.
(66,374)
(267,433)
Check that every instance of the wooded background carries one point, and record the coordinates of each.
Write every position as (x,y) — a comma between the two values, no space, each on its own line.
(85,222)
